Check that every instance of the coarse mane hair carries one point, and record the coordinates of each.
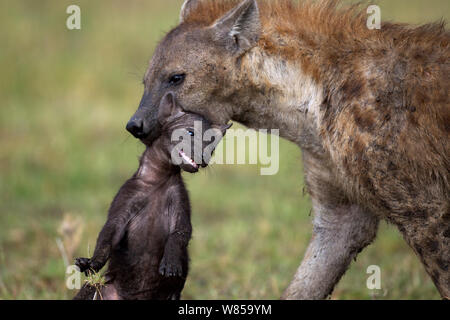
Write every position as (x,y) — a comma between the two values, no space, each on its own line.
(323,16)
(330,19)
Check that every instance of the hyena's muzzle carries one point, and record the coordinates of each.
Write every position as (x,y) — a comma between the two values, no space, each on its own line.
(144,123)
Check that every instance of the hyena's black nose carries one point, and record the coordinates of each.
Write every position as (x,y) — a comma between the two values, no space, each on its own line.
(136,128)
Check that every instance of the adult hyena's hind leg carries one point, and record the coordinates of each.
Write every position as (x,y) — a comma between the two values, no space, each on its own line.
(429,236)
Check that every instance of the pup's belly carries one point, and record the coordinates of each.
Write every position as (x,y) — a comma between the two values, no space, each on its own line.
(134,265)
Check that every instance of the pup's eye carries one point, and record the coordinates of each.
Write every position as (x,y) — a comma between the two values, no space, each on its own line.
(176,79)
(191,133)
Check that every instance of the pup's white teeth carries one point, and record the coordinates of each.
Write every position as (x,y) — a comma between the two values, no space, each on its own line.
(187,159)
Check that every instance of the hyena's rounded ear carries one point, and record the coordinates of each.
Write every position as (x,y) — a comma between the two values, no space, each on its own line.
(187,8)
(168,108)
(239,30)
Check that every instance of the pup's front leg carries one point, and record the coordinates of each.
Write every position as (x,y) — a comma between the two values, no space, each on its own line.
(102,250)
(174,253)
(174,261)
(126,204)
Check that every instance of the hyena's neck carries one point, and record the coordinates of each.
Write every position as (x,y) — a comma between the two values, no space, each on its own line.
(280,96)
(155,166)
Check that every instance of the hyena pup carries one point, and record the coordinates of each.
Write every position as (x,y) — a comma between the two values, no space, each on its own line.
(148,229)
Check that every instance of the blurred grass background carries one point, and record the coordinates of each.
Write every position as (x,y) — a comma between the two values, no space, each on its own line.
(65,98)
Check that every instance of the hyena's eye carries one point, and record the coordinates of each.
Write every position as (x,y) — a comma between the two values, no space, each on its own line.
(176,79)
(191,133)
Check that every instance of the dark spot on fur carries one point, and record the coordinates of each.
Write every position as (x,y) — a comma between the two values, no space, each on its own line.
(422,97)
(435,276)
(447,233)
(418,248)
(418,56)
(421,214)
(431,245)
(352,89)
(392,166)
(385,205)
(412,119)
(445,122)
(364,119)
(442,264)
(369,185)
(358,146)
(446,216)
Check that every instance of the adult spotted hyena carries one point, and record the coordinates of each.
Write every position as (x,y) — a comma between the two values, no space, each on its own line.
(369,108)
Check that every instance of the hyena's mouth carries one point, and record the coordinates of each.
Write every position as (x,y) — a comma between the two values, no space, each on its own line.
(187,159)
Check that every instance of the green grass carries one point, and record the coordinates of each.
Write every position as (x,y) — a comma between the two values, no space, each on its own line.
(65,98)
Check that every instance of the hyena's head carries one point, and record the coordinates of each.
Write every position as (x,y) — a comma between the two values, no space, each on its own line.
(199,64)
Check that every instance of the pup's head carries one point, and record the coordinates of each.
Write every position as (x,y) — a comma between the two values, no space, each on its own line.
(188,138)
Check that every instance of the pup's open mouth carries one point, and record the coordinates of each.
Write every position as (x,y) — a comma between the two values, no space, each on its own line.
(187,159)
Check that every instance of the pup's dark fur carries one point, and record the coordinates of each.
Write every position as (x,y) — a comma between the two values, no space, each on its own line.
(148,229)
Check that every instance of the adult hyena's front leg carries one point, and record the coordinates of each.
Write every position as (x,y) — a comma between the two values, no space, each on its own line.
(340,233)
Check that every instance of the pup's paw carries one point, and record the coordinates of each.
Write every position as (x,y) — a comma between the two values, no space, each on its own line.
(96,265)
(84,264)
(170,268)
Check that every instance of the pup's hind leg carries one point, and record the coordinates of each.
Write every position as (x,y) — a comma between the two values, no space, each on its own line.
(87,292)
(107,292)
(340,233)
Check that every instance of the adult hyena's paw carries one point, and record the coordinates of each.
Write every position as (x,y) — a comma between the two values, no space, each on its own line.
(170,268)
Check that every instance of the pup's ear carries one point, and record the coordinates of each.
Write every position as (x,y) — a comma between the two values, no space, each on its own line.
(223,128)
(168,108)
